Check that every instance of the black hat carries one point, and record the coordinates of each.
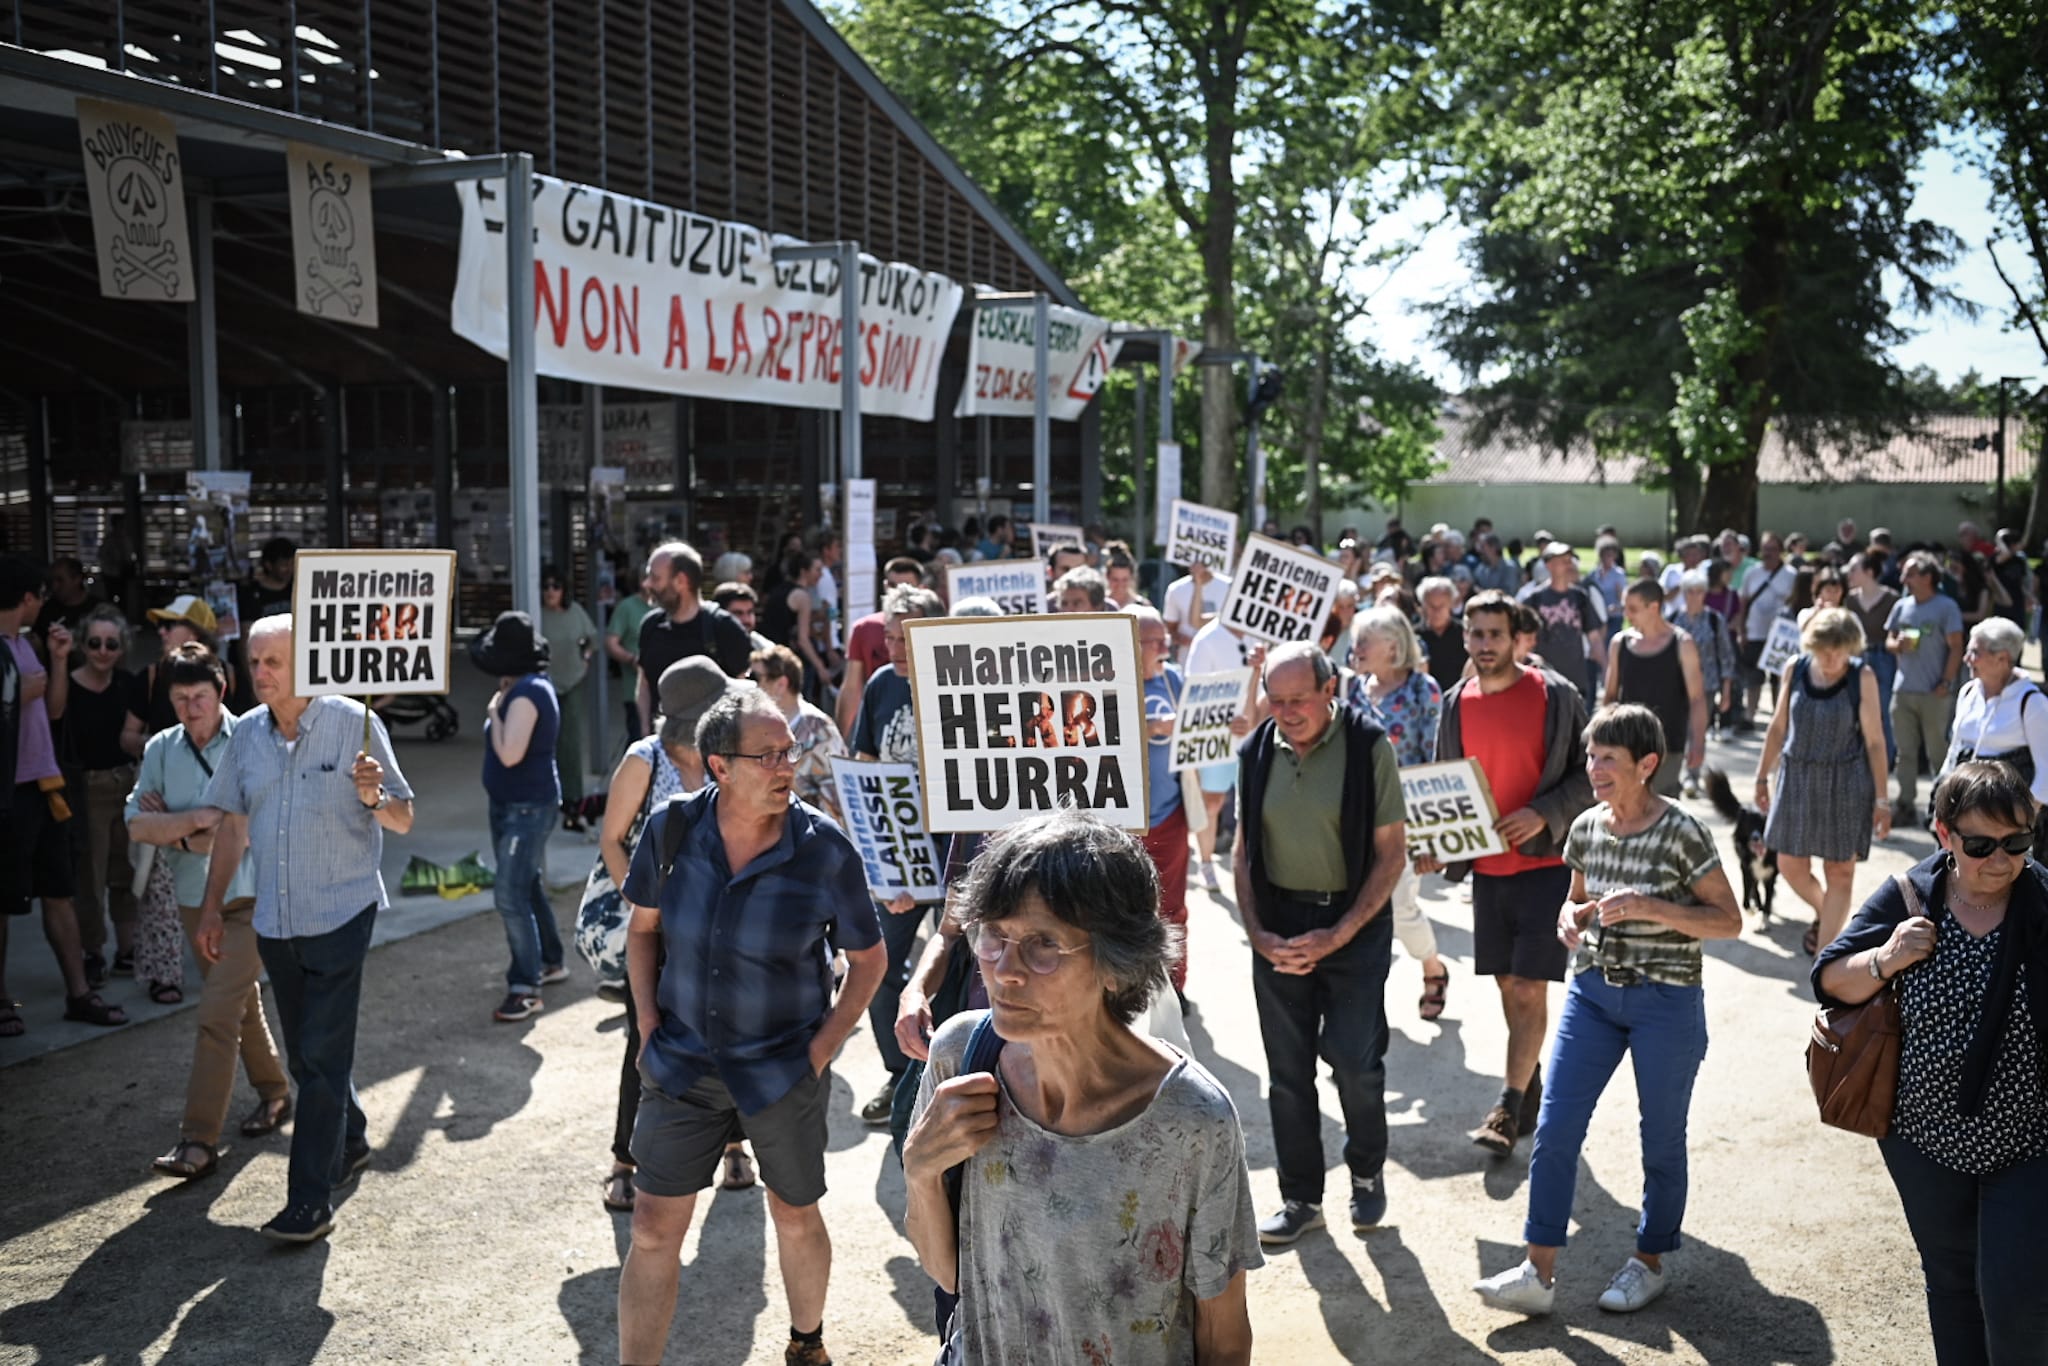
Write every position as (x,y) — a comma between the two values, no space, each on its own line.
(510,647)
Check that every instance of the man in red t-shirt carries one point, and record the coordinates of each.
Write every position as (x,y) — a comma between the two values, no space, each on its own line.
(866,650)
(1526,727)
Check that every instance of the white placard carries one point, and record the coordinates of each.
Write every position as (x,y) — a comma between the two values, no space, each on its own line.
(647,296)
(370,622)
(334,247)
(1167,492)
(1450,812)
(1201,728)
(1021,716)
(1201,535)
(884,816)
(1002,363)
(858,583)
(1046,535)
(1781,647)
(1279,593)
(1018,586)
(135,180)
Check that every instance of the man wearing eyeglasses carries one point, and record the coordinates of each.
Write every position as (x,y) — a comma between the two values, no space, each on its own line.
(1324,831)
(741,1020)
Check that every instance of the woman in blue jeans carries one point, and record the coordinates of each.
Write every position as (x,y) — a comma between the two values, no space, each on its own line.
(1964,935)
(521,726)
(1647,887)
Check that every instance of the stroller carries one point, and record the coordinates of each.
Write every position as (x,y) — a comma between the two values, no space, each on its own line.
(411,709)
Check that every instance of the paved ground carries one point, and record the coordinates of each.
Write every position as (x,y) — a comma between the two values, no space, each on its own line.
(477,1236)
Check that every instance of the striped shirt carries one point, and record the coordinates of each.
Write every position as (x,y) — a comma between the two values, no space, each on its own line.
(316,847)
(1665,861)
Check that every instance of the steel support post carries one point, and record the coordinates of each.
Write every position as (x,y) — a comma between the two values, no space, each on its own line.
(522,403)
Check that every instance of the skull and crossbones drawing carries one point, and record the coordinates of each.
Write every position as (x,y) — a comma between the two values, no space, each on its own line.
(142,203)
(332,270)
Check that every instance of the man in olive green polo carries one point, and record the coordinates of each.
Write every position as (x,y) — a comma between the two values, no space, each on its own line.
(1325,837)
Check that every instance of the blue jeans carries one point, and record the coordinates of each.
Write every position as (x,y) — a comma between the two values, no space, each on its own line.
(318,980)
(1885,665)
(519,841)
(1980,1247)
(1663,1029)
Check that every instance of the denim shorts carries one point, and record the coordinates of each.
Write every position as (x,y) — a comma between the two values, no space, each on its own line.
(678,1140)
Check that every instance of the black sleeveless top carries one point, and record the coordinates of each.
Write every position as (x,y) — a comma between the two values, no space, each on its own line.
(777,619)
(1658,682)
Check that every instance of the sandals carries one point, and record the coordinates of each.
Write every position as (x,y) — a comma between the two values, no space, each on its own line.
(124,963)
(739,1170)
(166,993)
(1434,985)
(618,1191)
(90,1009)
(11,1026)
(176,1163)
(267,1117)
(1810,941)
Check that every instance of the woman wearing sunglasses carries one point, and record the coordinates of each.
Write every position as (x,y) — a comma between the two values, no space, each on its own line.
(1105,1212)
(99,740)
(1968,1148)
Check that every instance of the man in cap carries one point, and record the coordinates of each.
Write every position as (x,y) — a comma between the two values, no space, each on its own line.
(1574,636)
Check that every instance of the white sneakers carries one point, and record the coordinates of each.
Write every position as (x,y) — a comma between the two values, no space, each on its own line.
(1634,1286)
(1519,1290)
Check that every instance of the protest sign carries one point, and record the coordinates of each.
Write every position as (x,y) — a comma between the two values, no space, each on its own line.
(1046,535)
(639,295)
(371,622)
(1450,812)
(334,247)
(1201,728)
(1279,593)
(1781,647)
(1201,535)
(1018,586)
(1002,363)
(1019,716)
(884,816)
(135,183)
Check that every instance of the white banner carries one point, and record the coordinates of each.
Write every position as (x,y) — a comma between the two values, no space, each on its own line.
(1020,716)
(645,296)
(1201,535)
(1168,491)
(1002,363)
(1018,586)
(884,815)
(859,540)
(1201,728)
(334,250)
(371,622)
(135,181)
(1781,647)
(1280,593)
(1450,812)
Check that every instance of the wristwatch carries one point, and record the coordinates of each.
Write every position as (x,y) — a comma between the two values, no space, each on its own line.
(383,800)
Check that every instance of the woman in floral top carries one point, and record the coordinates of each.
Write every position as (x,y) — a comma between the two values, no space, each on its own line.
(1393,689)
(1105,1214)
(781,675)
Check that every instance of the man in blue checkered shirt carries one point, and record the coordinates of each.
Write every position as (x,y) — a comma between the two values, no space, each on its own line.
(742,1019)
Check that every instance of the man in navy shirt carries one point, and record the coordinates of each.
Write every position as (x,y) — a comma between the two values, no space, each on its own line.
(741,1020)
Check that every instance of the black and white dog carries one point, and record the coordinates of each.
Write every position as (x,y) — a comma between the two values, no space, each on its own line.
(1759,865)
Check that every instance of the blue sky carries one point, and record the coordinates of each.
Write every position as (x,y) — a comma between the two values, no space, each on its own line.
(1951,193)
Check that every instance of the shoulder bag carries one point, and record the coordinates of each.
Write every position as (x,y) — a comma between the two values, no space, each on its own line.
(1852,1059)
(601,916)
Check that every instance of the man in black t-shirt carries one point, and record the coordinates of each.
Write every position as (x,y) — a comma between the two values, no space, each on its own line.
(683,624)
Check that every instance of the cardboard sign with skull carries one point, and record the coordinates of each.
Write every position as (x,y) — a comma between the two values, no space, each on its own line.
(334,250)
(136,182)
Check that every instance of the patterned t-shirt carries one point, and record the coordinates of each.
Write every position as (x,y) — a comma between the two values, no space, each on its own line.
(817,741)
(1408,715)
(1941,1002)
(1665,861)
(1094,1248)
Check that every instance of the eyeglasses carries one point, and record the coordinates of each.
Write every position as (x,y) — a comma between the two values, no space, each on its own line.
(771,758)
(1981,846)
(103,643)
(1040,952)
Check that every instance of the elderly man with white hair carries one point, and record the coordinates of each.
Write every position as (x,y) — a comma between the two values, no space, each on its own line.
(309,788)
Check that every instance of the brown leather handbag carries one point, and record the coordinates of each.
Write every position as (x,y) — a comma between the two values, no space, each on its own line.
(1852,1060)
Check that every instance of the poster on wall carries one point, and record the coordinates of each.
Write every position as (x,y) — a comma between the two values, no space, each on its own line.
(859,544)
(135,182)
(1019,716)
(217,542)
(1280,593)
(372,622)
(641,295)
(1166,492)
(1002,362)
(334,243)
(640,438)
(884,816)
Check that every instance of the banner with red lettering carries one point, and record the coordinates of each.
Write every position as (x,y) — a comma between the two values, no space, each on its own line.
(1002,362)
(645,296)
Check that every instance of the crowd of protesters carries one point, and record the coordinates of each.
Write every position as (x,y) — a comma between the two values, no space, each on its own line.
(1046,1005)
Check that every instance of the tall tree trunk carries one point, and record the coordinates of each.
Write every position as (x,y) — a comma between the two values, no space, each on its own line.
(1684,477)
(1762,286)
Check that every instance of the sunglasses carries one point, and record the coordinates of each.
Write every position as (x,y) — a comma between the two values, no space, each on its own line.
(1981,846)
(102,643)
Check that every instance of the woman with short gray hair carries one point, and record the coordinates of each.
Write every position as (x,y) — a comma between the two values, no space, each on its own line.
(1999,714)
(1069,1113)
